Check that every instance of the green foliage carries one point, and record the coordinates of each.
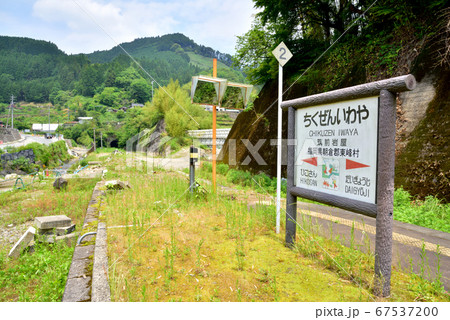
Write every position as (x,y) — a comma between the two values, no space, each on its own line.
(140,90)
(207,166)
(84,163)
(85,139)
(222,169)
(173,103)
(369,47)
(239,177)
(23,164)
(47,268)
(430,213)
(50,156)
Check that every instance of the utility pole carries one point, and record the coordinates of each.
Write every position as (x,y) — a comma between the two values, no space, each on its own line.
(12,112)
(94,141)
(101,139)
(152,91)
(48,118)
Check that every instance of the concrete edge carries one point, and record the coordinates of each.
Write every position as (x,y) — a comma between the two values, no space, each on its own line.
(80,280)
(101,291)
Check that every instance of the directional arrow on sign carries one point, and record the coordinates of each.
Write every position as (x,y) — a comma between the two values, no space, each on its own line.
(312,161)
(350,164)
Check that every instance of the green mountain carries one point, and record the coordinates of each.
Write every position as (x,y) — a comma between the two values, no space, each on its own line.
(37,71)
(173,54)
(154,47)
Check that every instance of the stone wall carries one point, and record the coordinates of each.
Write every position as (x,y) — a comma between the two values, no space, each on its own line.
(28,154)
(411,109)
(9,135)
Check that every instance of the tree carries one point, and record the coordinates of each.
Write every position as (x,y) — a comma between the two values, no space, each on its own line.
(85,139)
(140,90)
(253,51)
(109,97)
(300,16)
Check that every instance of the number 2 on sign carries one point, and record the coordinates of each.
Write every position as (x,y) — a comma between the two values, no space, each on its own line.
(283,52)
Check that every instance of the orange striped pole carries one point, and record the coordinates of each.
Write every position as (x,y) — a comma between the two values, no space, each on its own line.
(214,132)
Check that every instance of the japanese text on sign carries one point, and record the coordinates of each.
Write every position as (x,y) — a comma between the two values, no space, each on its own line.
(336,148)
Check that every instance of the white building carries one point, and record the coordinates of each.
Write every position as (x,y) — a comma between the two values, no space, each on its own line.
(82,120)
(44,127)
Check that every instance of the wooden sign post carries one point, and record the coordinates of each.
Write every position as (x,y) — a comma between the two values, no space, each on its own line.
(344,155)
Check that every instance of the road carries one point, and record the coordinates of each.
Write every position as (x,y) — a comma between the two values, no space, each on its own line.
(28,138)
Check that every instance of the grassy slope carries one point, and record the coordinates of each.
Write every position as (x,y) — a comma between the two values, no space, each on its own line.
(204,62)
(40,276)
(210,248)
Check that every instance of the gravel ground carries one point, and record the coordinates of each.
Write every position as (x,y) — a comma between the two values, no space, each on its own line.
(9,234)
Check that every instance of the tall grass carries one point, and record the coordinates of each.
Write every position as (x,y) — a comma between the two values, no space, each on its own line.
(210,248)
(429,213)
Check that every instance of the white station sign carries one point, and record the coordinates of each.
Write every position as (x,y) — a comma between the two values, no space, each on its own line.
(336,148)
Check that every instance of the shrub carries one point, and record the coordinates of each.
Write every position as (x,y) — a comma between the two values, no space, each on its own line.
(84,163)
(239,177)
(430,213)
(222,169)
(207,166)
(264,182)
(22,164)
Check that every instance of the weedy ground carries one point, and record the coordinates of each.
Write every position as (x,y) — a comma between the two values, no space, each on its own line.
(165,244)
(40,274)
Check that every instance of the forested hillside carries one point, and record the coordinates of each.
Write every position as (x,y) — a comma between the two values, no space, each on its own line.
(37,71)
(148,47)
(103,85)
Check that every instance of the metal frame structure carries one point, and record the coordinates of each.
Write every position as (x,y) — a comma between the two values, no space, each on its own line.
(220,94)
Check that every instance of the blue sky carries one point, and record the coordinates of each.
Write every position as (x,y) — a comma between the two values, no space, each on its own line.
(83,26)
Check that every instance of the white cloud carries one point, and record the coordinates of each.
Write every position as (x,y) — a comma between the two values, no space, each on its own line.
(213,23)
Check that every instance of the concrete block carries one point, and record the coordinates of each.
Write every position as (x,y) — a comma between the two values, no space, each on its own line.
(60,231)
(24,240)
(83,252)
(79,268)
(68,238)
(77,289)
(100,286)
(50,222)
(117,185)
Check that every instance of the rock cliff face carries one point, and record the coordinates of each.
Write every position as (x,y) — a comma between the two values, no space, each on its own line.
(423,145)
(422,141)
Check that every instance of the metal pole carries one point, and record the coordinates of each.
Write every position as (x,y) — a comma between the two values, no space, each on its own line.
(291,200)
(385,194)
(94,141)
(280,123)
(12,112)
(191,171)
